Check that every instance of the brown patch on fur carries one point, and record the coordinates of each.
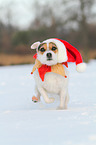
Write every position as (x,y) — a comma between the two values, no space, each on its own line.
(44,45)
(37,65)
(51,45)
(58,68)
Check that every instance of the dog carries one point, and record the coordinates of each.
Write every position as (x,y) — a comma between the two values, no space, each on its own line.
(50,73)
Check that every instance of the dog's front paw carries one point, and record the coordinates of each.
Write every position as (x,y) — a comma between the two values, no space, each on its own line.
(35,99)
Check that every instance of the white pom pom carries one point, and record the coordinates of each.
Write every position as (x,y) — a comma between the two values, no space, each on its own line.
(81,67)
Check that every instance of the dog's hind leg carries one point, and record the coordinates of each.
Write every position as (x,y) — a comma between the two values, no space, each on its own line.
(63,99)
(66,100)
(45,96)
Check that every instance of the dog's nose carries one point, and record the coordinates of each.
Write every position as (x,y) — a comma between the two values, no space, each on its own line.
(49,55)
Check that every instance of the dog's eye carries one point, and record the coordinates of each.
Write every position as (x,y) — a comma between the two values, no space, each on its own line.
(42,49)
(54,48)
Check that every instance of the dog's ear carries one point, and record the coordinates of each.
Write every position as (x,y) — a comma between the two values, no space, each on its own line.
(35,45)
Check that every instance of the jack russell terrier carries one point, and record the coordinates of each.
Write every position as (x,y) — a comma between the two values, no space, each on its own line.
(50,73)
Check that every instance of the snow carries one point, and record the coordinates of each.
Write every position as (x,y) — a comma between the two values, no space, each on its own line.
(23,122)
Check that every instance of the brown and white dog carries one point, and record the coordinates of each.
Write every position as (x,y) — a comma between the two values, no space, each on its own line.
(52,54)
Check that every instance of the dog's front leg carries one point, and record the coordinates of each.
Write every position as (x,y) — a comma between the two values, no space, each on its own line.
(36,98)
(37,93)
(45,96)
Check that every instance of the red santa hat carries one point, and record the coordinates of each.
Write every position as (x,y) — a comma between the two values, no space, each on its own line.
(66,53)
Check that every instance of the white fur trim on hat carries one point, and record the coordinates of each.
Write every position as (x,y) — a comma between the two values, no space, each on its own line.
(62,53)
(81,67)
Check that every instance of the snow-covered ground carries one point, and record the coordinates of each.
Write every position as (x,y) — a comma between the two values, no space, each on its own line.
(24,123)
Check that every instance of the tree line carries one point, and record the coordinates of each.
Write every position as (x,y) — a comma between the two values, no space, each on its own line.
(64,19)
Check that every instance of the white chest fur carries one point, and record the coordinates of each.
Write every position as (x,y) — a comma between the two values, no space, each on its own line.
(53,83)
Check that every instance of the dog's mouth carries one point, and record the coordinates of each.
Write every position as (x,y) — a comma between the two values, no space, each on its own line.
(49,59)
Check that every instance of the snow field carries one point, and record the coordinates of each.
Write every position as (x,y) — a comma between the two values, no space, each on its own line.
(24,123)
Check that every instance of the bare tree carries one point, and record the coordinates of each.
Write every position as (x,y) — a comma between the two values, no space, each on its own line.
(43,16)
(6,28)
(80,13)
(86,14)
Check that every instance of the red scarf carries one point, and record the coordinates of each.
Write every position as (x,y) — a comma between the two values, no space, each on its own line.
(45,68)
